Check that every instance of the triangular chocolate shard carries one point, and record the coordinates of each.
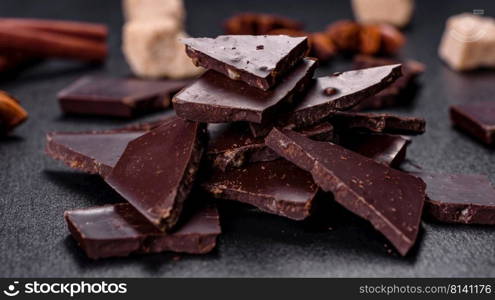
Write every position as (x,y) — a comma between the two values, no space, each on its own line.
(157,170)
(336,92)
(392,201)
(260,60)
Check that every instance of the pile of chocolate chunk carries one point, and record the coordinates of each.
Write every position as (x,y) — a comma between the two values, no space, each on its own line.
(256,128)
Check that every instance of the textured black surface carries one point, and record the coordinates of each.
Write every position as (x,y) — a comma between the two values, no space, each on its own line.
(35,190)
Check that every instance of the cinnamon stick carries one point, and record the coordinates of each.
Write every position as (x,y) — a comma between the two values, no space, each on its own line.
(50,44)
(94,31)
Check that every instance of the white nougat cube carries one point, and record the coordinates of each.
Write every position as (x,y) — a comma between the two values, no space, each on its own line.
(394,12)
(468,42)
(148,10)
(153,49)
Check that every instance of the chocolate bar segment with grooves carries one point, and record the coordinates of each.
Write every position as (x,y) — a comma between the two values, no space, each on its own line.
(119,97)
(259,61)
(214,98)
(232,145)
(392,201)
(120,230)
(378,122)
(384,148)
(94,152)
(336,92)
(277,187)
(477,119)
(157,170)
(459,198)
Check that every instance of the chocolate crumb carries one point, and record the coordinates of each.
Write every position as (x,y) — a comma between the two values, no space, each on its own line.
(260,47)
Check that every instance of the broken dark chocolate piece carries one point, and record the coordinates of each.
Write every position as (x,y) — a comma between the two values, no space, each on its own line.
(156,171)
(397,93)
(95,152)
(278,187)
(378,122)
(391,200)
(213,98)
(476,119)
(459,198)
(384,148)
(351,88)
(90,152)
(259,61)
(120,97)
(232,145)
(120,230)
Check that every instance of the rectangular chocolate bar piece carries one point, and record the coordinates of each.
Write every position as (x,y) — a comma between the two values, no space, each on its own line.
(156,172)
(392,201)
(94,152)
(459,198)
(477,119)
(378,122)
(384,148)
(336,92)
(119,97)
(120,230)
(277,187)
(259,61)
(214,98)
(232,145)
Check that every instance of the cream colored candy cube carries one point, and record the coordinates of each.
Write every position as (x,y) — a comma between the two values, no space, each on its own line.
(153,49)
(468,42)
(393,12)
(148,10)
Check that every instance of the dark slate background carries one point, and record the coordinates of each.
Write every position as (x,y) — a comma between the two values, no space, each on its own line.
(35,190)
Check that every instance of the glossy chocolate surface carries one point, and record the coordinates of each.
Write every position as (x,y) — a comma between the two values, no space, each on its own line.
(477,119)
(156,171)
(232,145)
(328,94)
(120,97)
(95,152)
(459,198)
(384,148)
(120,230)
(278,187)
(259,61)
(91,152)
(391,200)
(398,93)
(214,98)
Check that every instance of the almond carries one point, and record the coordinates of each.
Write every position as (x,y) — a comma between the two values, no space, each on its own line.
(11,112)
